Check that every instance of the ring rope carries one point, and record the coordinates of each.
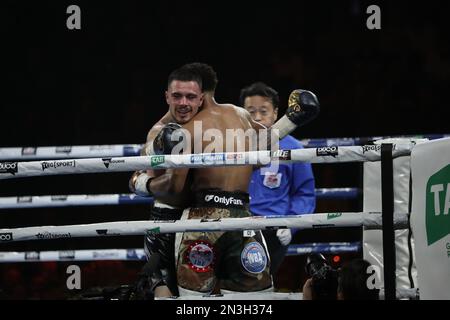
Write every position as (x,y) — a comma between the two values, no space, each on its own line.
(68,152)
(370,220)
(73,255)
(323,247)
(24,202)
(138,254)
(122,164)
(128,150)
(241,296)
(402,293)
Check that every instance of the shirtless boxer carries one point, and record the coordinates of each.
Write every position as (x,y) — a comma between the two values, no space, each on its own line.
(184,97)
(226,260)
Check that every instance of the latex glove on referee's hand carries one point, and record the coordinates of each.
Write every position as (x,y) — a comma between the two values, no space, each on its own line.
(285,236)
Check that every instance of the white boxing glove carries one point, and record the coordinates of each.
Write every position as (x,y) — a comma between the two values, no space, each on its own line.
(285,236)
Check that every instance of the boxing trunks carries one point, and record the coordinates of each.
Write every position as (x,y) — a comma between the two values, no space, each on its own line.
(163,244)
(233,261)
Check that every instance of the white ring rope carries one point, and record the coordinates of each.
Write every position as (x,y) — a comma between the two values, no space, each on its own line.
(369,220)
(122,164)
(401,294)
(68,152)
(241,296)
(24,202)
(138,254)
(126,150)
(73,255)
(51,201)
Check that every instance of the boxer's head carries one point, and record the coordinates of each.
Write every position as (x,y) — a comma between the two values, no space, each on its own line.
(184,94)
(206,73)
(261,101)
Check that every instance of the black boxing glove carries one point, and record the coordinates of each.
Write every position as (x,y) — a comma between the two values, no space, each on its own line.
(303,107)
(161,244)
(163,143)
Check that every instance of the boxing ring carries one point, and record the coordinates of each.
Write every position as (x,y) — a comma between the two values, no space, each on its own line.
(124,158)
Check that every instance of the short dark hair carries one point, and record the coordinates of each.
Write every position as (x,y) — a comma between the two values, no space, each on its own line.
(353,281)
(206,73)
(260,89)
(185,73)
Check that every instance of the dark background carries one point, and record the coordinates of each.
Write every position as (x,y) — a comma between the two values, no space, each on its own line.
(104,84)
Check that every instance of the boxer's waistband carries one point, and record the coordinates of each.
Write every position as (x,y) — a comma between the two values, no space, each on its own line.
(162,211)
(221,199)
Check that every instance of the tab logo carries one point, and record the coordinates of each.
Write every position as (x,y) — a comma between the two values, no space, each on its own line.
(156,160)
(333,215)
(438,205)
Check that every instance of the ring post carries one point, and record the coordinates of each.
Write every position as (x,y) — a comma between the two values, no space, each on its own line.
(387,202)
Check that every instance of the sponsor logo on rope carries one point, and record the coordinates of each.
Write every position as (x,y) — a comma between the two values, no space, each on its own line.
(59,198)
(32,255)
(57,164)
(101,148)
(64,149)
(325,225)
(375,147)
(200,256)
(157,160)
(282,154)
(333,215)
(106,232)
(5,237)
(108,161)
(223,200)
(105,254)
(153,230)
(25,199)
(133,254)
(9,167)
(331,151)
(28,151)
(254,258)
(66,255)
(208,158)
(437,205)
(50,235)
(235,156)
